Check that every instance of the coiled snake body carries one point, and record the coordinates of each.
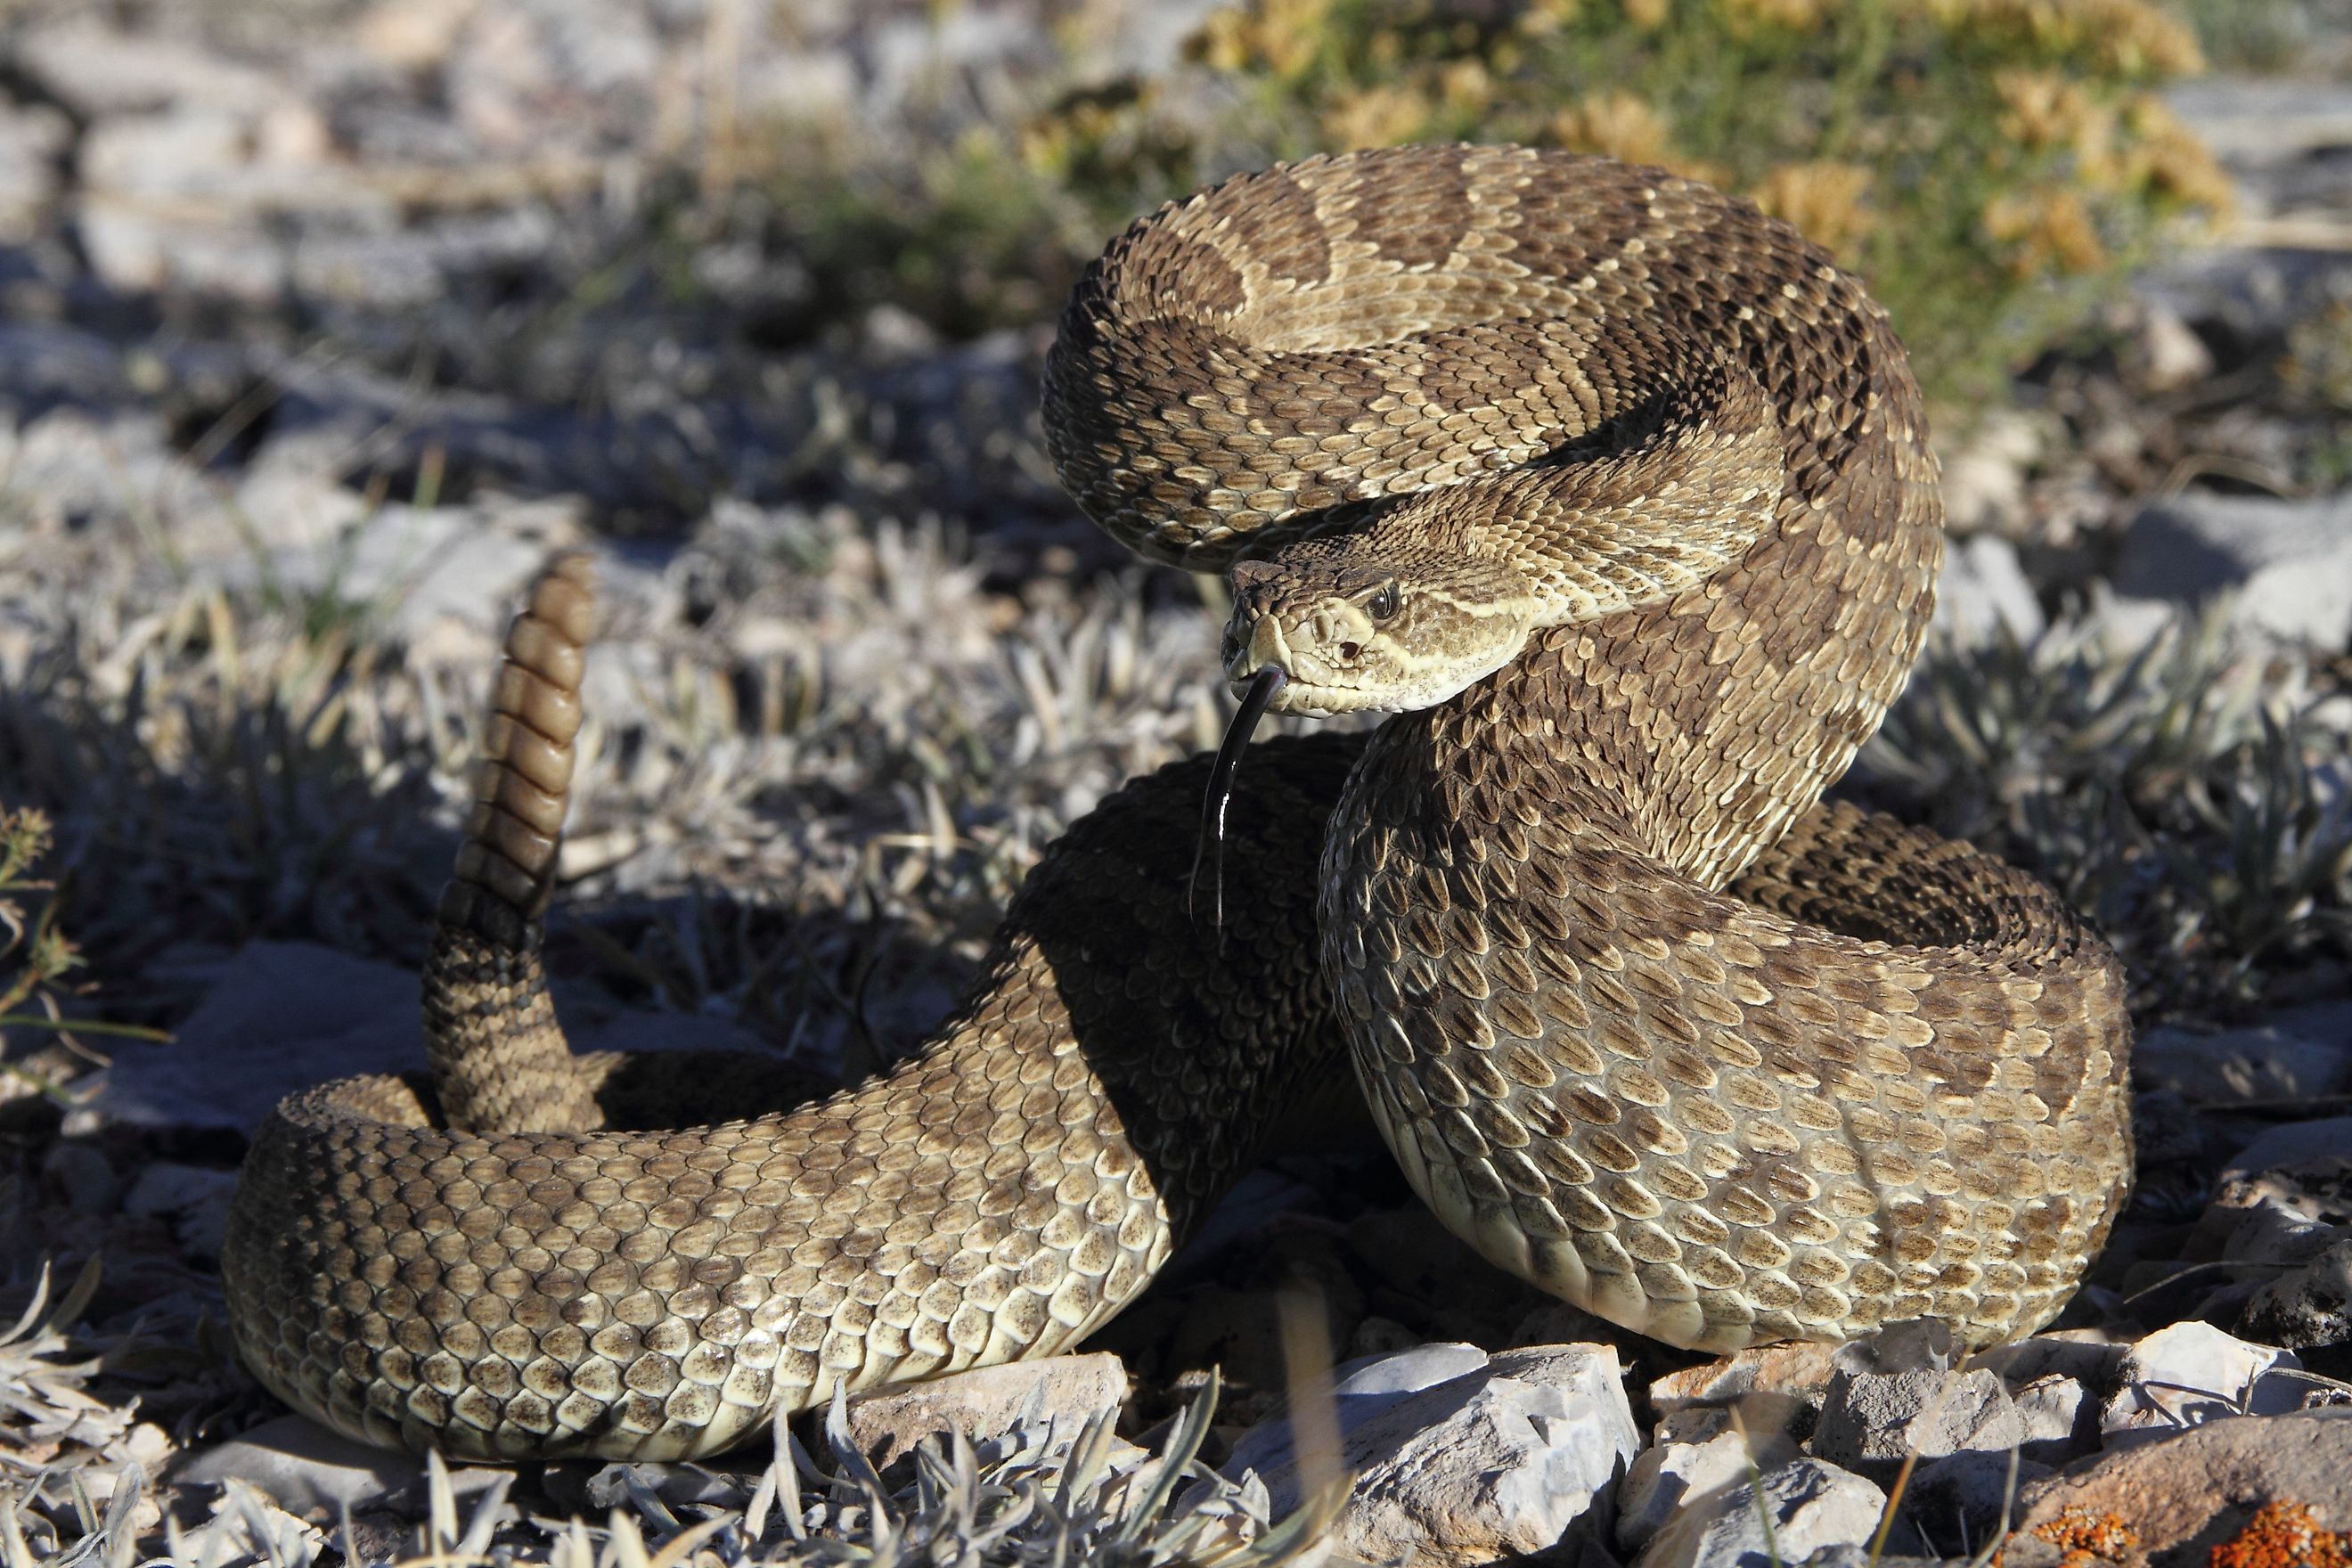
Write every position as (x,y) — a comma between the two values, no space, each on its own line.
(1642,1020)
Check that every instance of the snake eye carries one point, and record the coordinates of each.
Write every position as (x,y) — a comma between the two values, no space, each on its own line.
(1383,604)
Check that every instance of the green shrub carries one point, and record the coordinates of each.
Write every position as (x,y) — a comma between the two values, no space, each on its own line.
(1988,165)
(1984,163)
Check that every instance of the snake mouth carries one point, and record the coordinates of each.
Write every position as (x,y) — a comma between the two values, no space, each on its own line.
(1262,688)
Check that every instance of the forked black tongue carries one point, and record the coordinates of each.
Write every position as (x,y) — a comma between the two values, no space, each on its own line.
(1263,688)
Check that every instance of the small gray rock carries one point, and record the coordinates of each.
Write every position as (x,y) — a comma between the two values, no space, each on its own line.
(2190,1374)
(1813,1505)
(314,1473)
(1511,1458)
(1872,1421)
(2287,565)
(2059,1417)
(2309,1308)
(1775,1388)
(1667,1477)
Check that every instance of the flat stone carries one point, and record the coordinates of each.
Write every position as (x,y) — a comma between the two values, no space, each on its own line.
(2189,1493)
(1870,1422)
(2192,1373)
(987,1402)
(2265,118)
(2285,565)
(1813,1505)
(314,1473)
(2305,1053)
(1511,1457)
(97,72)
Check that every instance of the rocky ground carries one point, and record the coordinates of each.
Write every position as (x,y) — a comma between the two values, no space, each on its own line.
(322,324)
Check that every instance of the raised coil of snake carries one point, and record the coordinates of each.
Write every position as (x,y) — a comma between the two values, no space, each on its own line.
(1618,494)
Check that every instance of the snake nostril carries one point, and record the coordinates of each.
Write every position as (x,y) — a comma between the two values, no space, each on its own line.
(1349,651)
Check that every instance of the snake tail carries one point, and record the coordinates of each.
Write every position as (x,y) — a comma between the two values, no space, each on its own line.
(500,1059)
(508,1273)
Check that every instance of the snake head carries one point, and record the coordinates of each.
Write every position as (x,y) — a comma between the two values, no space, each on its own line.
(1356,627)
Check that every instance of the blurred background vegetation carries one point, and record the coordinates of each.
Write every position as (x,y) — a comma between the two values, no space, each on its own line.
(1990,166)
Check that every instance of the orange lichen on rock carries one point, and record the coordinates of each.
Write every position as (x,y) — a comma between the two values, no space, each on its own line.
(2285,1535)
(2088,1537)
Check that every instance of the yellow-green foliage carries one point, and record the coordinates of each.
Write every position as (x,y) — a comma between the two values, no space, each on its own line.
(1964,155)
(34,954)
